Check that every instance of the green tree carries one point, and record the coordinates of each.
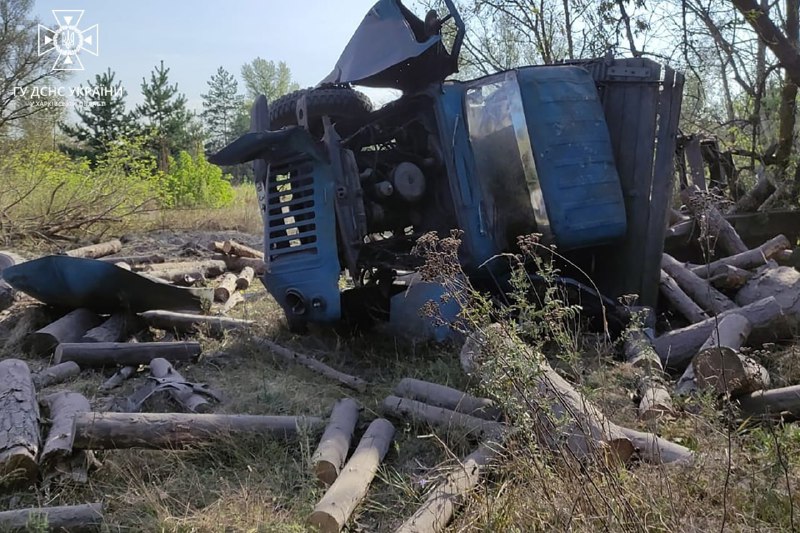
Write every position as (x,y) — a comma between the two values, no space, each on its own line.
(268,78)
(222,106)
(164,113)
(102,116)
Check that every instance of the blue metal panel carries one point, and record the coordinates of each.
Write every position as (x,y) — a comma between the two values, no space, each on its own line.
(300,239)
(573,154)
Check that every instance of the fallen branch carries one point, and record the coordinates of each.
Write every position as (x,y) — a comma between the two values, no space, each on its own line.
(66,518)
(102,354)
(331,453)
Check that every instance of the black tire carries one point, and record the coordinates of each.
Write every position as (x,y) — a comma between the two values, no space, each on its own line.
(339,103)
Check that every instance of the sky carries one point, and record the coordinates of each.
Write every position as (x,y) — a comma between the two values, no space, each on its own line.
(196,37)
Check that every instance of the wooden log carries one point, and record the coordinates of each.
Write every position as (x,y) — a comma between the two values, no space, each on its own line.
(317,366)
(57,448)
(19,421)
(126,372)
(338,503)
(654,398)
(136,261)
(440,505)
(210,268)
(783,402)
(440,417)
(187,322)
(447,397)
(756,196)
(656,450)
(245,278)
(8,295)
(108,431)
(97,250)
(240,250)
(676,348)
(235,299)
(331,454)
(102,354)
(115,328)
(783,283)
(729,278)
(217,246)
(180,391)
(746,260)
(69,328)
(686,384)
(698,289)
(56,374)
(237,264)
(718,229)
(226,287)
(679,300)
(65,518)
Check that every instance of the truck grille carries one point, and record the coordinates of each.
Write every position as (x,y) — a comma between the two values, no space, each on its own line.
(291,218)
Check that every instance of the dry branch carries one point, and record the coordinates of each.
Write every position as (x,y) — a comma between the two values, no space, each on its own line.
(63,519)
(338,503)
(187,322)
(102,354)
(97,250)
(447,397)
(56,374)
(69,328)
(331,453)
(19,421)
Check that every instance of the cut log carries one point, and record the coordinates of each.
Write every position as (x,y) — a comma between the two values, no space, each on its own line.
(440,417)
(655,450)
(66,518)
(69,328)
(686,384)
(56,374)
(97,250)
(108,431)
(719,365)
(57,454)
(654,398)
(235,299)
(698,289)
(217,246)
(187,322)
(118,378)
(750,202)
(226,287)
(210,268)
(331,453)
(449,398)
(237,264)
(707,214)
(19,421)
(679,300)
(775,403)
(747,260)
(245,278)
(317,366)
(180,389)
(8,295)
(676,348)
(115,328)
(240,250)
(730,278)
(338,503)
(441,503)
(136,261)
(561,416)
(102,354)
(783,283)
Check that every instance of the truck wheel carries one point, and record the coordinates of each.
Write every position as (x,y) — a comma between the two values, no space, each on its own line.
(340,103)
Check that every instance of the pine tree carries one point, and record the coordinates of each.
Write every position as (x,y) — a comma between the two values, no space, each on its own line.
(164,112)
(102,117)
(223,107)
(265,77)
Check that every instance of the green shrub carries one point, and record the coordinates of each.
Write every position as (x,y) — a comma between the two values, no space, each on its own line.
(194,182)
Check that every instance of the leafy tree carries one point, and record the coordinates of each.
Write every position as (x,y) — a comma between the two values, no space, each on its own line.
(222,107)
(265,77)
(164,112)
(102,116)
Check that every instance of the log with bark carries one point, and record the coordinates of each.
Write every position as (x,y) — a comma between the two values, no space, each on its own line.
(245,278)
(8,295)
(56,374)
(783,283)
(240,250)
(447,397)
(440,417)
(679,300)
(746,260)
(108,431)
(235,299)
(65,518)
(100,354)
(729,278)
(710,218)
(225,287)
(654,397)
(69,328)
(97,250)
(331,454)
(186,394)
(781,403)
(114,328)
(136,261)
(656,450)
(187,322)
(217,247)
(19,421)
(698,289)
(209,268)
(750,202)
(317,366)
(124,373)
(57,457)
(676,348)
(440,505)
(237,264)
(341,498)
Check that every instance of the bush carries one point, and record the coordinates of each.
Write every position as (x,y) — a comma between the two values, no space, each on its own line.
(194,182)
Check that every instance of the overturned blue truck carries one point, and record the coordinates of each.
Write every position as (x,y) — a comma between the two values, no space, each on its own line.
(580,153)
